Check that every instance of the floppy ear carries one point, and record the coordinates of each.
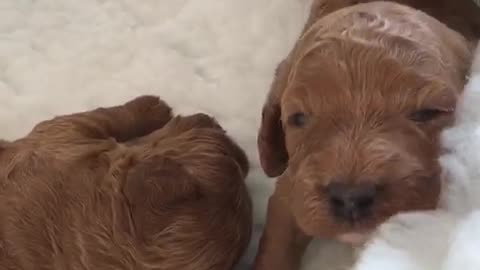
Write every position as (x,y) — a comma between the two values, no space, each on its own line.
(271,137)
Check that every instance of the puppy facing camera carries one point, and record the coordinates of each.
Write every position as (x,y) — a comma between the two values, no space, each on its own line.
(352,122)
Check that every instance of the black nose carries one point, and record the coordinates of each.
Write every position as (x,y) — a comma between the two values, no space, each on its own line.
(351,202)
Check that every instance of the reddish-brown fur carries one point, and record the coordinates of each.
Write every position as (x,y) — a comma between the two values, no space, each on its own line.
(360,75)
(460,15)
(125,187)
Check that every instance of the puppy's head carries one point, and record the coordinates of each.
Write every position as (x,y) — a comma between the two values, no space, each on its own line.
(186,189)
(356,129)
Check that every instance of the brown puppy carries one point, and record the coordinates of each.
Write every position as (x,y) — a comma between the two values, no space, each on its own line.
(352,122)
(83,192)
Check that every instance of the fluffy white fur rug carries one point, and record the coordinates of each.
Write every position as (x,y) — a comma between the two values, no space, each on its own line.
(62,56)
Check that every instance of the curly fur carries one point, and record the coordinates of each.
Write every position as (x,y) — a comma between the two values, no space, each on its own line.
(126,187)
(357,73)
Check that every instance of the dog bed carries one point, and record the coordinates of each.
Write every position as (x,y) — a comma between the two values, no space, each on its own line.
(218,57)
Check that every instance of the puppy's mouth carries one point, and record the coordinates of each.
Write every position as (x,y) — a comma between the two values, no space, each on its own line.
(355,232)
(355,238)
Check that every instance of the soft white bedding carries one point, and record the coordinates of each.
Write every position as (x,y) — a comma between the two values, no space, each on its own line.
(62,56)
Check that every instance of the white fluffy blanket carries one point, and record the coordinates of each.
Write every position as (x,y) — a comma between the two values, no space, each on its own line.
(214,56)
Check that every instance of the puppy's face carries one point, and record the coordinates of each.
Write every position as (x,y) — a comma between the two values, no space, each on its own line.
(357,131)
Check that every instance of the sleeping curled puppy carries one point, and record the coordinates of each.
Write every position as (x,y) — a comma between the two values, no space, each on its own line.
(351,125)
(124,187)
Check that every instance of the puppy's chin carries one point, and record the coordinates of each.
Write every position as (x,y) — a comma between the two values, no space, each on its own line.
(355,239)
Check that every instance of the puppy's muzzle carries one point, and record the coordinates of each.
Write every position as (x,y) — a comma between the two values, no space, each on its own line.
(351,202)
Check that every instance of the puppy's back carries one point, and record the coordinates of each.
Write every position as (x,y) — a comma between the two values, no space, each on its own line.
(177,201)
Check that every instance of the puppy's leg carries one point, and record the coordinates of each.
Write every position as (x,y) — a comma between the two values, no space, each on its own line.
(135,118)
(282,244)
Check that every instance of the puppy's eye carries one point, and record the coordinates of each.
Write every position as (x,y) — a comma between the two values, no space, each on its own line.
(298,119)
(425,115)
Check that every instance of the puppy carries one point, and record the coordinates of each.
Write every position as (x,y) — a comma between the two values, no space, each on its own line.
(351,125)
(124,187)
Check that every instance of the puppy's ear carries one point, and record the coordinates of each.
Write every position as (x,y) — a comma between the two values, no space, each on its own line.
(271,138)
(152,186)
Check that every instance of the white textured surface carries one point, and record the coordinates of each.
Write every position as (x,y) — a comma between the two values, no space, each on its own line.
(214,56)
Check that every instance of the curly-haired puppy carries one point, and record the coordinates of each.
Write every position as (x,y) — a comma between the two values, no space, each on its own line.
(124,187)
(351,125)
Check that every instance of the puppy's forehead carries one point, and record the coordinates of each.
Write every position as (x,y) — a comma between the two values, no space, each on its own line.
(346,75)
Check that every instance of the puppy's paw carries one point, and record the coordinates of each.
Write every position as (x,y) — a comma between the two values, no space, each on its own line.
(152,111)
(194,121)
(201,120)
(149,106)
